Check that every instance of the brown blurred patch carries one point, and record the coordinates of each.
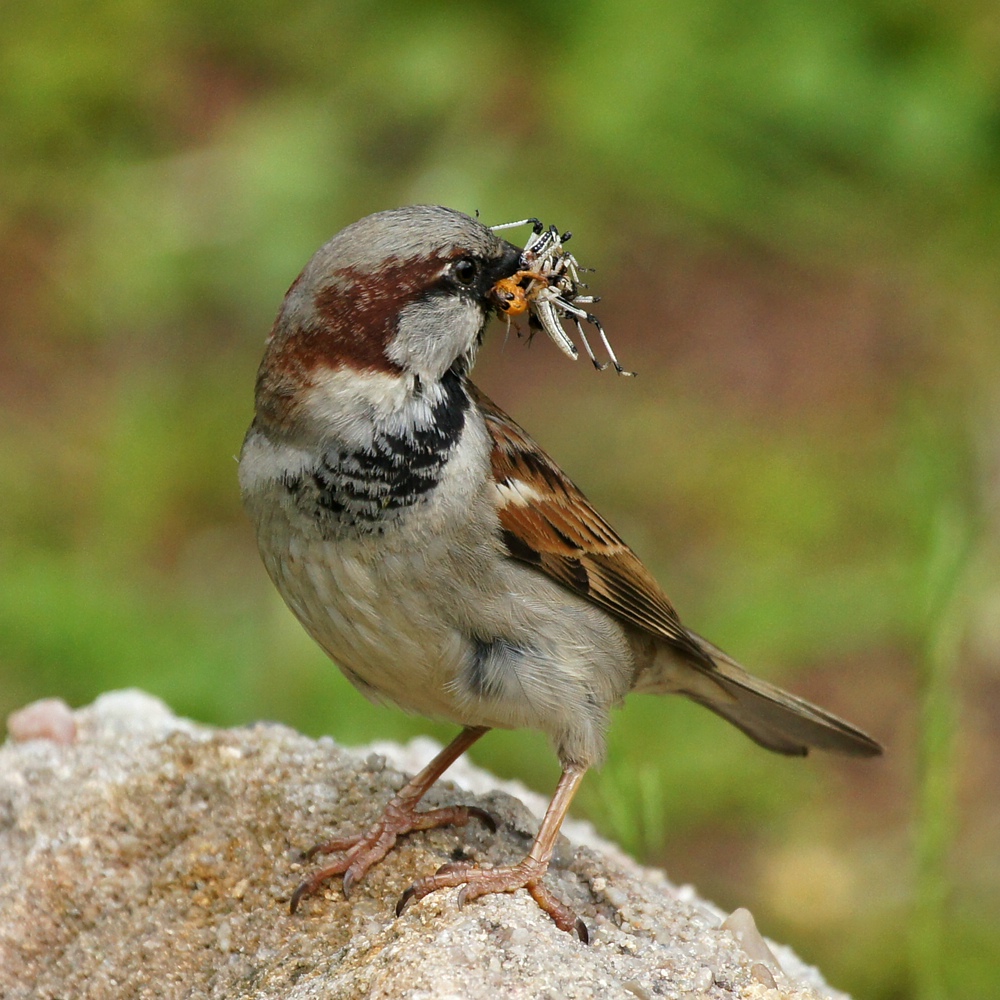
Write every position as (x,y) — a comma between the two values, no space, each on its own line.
(761,330)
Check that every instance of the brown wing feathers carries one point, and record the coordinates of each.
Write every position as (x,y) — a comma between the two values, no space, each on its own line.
(548,523)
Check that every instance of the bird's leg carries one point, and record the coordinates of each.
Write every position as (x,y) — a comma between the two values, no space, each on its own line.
(526,874)
(400,817)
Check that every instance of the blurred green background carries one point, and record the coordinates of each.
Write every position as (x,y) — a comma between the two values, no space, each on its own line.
(794,211)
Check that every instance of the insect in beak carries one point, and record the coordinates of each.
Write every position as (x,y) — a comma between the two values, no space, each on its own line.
(547,286)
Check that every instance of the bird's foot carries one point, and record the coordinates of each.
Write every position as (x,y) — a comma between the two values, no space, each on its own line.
(477,882)
(366,849)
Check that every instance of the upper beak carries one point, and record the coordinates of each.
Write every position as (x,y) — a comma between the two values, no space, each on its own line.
(508,263)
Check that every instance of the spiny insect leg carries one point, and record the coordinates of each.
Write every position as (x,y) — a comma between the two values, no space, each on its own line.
(536,224)
(550,321)
(586,343)
(591,318)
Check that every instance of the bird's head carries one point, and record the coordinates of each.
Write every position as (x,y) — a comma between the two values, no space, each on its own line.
(391,303)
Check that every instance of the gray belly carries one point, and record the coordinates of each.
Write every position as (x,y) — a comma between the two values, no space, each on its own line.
(412,628)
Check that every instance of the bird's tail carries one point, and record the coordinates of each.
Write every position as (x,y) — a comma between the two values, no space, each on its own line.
(774,718)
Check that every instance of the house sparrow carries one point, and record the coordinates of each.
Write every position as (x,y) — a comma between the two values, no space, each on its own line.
(441,558)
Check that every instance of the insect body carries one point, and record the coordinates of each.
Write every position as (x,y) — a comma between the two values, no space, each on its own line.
(513,296)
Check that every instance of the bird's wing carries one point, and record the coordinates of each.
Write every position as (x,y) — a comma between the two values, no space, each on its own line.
(548,523)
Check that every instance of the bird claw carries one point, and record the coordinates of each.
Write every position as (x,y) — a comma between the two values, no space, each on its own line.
(349,879)
(476,882)
(366,849)
(334,846)
(405,900)
(454,866)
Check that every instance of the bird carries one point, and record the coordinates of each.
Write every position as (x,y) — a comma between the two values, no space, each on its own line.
(442,559)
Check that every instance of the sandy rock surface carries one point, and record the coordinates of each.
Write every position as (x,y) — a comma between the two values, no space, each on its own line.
(142,855)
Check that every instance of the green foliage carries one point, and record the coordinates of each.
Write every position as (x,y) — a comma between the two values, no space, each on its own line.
(168,167)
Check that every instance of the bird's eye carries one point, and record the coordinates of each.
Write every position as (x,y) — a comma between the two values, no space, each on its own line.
(466,271)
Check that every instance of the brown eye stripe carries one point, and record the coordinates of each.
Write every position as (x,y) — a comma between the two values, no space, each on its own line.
(359,300)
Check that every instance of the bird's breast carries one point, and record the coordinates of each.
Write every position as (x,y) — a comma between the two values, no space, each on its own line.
(364,482)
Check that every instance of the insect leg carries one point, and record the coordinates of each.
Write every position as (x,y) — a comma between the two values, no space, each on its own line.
(586,343)
(549,319)
(536,224)
(591,318)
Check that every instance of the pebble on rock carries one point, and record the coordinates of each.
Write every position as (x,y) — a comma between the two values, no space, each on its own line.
(49,719)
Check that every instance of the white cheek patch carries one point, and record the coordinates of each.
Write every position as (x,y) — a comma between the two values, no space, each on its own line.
(517,493)
(433,333)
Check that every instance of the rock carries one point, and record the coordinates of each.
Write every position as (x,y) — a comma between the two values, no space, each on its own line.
(741,924)
(48,719)
(152,857)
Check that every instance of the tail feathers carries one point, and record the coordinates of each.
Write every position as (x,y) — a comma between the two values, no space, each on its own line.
(774,718)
